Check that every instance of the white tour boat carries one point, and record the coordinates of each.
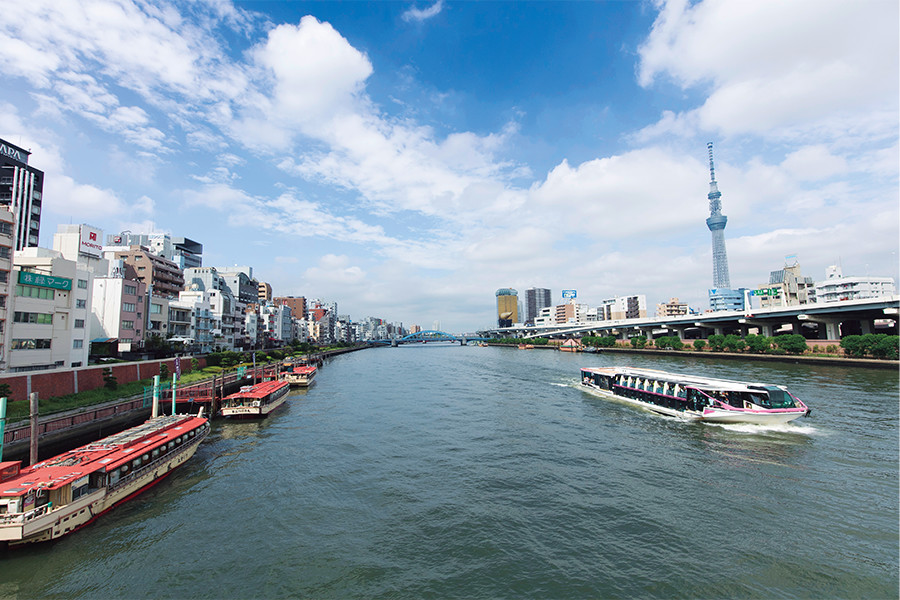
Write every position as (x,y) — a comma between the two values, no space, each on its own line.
(692,397)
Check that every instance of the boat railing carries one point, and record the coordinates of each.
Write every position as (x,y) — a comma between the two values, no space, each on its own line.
(17,518)
(167,455)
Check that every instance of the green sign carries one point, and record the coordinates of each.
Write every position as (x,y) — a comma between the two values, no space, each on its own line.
(767,292)
(47,281)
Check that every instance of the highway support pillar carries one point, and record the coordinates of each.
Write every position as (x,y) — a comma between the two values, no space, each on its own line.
(831,329)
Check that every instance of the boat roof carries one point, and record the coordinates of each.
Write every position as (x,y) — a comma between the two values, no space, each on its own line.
(304,369)
(260,390)
(696,381)
(104,454)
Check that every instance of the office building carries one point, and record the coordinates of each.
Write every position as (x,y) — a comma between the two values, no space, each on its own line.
(507,307)
(21,192)
(535,300)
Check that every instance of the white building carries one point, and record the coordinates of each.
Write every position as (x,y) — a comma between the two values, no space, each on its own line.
(622,307)
(118,308)
(50,310)
(7,243)
(836,287)
(192,321)
(278,322)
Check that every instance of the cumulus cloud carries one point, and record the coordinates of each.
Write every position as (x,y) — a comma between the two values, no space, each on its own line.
(775,68)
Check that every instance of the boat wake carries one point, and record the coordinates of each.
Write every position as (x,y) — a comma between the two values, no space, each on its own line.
(791,428)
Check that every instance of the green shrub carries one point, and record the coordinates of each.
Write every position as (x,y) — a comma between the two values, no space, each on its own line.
(639,341)
(791,343)
(699,345)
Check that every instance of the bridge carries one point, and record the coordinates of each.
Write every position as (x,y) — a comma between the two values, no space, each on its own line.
(830,321)
(431,335)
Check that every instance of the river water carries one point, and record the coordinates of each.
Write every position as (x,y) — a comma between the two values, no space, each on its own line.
(437,471)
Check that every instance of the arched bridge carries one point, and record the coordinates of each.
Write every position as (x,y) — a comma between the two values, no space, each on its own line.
(431,335)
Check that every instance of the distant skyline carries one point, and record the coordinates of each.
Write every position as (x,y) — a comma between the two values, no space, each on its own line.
(406,160)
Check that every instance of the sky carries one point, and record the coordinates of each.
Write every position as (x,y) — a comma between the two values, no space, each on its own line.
(408,159)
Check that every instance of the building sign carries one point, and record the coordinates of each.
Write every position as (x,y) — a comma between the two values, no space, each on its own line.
(569,294)
(767,292)
(90,242)
(47,281)
(12,153)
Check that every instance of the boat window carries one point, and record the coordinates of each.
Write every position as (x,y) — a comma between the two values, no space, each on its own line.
(114,476)
(145,457)
(171,445)
(178,440)
(778,398)
(155,453)
(125,469)
(136,463)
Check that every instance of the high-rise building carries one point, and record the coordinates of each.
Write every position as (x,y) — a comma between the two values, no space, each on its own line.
(535,300)
(21,188)
(507,307)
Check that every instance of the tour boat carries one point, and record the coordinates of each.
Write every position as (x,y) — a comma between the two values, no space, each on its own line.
(301,376)
(255,400)
(60,495)
(696,398)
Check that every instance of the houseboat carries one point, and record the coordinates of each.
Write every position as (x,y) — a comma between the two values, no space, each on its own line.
(695,398)
(63,494)
(255,400)
(301,376)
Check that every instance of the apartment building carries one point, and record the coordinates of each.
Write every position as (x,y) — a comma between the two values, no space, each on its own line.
(50,310)
(21,192)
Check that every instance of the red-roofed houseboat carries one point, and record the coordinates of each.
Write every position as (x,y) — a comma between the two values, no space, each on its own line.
(60,495)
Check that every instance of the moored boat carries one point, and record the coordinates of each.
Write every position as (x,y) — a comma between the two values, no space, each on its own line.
(697,398)
(255,400)
(301,376)
(60,495)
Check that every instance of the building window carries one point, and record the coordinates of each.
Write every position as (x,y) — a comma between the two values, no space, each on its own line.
(131,290)
(30,317)
(82,283)
(81,304)
(6,228)
(41,344)
(4,276)
(79,323)
(29,291)
(5,252)
(76,364)
(128,307)
(77,344)
(155,309)
(2,301)
(127,324)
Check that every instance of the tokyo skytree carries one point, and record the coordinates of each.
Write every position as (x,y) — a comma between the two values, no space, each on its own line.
(716,223)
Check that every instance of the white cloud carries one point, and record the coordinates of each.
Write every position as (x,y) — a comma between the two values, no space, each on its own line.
(423,14)
(778,68)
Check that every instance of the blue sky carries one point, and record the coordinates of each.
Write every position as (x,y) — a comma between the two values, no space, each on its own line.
(406,160)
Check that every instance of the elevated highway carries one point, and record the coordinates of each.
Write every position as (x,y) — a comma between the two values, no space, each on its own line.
(829,321)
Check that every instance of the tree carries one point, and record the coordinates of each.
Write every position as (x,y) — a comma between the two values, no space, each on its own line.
(852,345)
(716,342)
(163,371)
(639,341)
(669,342)
(109,380)
(733,343)
(759,344)
(888,347)
(791,343)
(699,345)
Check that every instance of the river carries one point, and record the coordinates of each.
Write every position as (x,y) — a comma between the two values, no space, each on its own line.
(438,471)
